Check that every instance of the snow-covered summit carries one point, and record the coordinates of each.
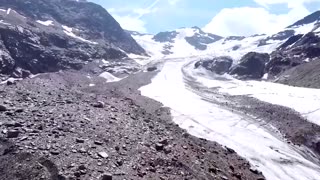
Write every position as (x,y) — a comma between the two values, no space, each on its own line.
(186,42)
(179,42)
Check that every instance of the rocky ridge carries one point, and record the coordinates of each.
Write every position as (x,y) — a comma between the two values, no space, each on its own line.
(38,36)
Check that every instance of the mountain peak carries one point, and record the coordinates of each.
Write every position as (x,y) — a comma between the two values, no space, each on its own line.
(312,18)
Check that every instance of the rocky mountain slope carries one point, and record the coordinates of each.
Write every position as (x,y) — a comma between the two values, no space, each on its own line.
(49,35)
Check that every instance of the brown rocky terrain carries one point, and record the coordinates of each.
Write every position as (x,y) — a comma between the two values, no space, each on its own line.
(55,126)
(304,75)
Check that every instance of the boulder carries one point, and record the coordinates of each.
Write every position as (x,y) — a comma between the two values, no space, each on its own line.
(106,177)
(3,108)
(13,134)
(251,66)
(219,65)
(11,81)
(152,68)
(20,73)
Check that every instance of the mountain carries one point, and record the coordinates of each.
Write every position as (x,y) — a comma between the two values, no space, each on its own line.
(49,35)
(195,41)
(179,42)
(294,45)
(314,17)
(93,112)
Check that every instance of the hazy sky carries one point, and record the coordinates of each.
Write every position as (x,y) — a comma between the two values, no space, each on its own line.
(222,17)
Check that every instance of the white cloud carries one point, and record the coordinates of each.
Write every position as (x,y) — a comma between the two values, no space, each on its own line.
(132,20)
(290,3)
(141,12)
(249,21)
(131,23)
(173,2)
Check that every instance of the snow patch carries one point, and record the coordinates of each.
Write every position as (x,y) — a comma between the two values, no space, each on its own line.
(11,79)
(45,23)
(2,22)
(109,77)
(105,61)
(265,76)
(34,76)
(68,31)
(8,11)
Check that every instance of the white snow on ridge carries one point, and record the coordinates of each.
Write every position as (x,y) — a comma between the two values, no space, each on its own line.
(186,32)
(146,42)
(181,48)
(235,48)
(68,30)
(249,44)
(45,23)
(263,148)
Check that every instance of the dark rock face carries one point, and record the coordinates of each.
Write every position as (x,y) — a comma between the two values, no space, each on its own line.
(165,36)
(167,49)
(200,40)
(279,36)
(93,20)
(6,62)
(296,50)
(79,32)
(290,41)
(280,63)
(234,38)
(219,65)
(251,66)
